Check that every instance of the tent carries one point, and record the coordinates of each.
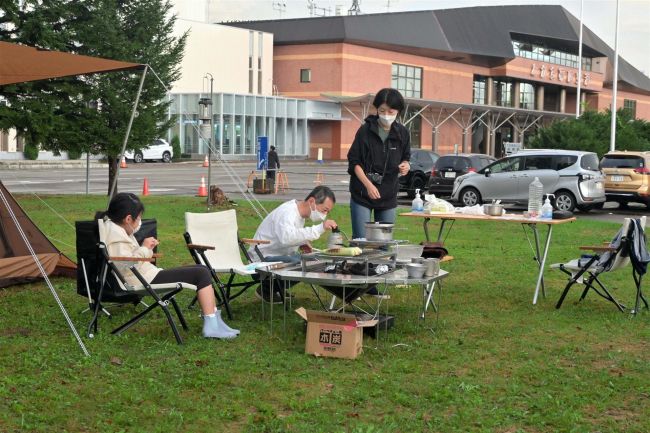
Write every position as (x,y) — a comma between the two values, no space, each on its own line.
(19,236)
(16,262)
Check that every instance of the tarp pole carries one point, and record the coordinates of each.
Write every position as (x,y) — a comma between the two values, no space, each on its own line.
(128,131)
(5,202)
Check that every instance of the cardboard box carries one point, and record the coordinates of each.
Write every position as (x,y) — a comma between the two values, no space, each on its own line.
(334,335)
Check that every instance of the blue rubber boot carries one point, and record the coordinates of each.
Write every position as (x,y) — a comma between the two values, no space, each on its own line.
(224,325)
(212,329)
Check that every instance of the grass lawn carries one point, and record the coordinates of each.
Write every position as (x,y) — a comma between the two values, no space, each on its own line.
(492,363)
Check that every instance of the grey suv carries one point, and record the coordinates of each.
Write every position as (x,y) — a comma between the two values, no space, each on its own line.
(573,176)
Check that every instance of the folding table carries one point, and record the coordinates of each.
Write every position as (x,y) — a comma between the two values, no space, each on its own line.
(531,223)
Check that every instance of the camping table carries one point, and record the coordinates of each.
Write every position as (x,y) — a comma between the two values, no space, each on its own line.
(532,223)
(394,278)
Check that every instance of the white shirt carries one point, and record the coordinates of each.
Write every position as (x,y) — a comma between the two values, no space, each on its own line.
(285,229)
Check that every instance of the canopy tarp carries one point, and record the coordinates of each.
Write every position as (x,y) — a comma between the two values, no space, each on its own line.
(20,63)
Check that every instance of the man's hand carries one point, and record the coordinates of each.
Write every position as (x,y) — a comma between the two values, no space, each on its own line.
(150,243)
(404,168)
(306,248)
(329,224)
(373,192)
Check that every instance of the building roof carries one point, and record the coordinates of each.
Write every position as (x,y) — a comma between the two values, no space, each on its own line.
(474,35)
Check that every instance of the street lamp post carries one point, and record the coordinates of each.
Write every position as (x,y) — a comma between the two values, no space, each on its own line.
(206,113)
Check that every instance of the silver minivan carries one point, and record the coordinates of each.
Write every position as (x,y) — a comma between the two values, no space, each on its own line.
(572,176)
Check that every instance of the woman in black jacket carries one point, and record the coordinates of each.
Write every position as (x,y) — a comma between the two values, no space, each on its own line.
(379,154)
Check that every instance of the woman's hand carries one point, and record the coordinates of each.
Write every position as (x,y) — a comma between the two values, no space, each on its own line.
(373,192)
(404,168)
(150,243)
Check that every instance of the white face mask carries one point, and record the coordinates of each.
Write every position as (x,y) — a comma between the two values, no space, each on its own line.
(137,228)
(387,120)
(316,216)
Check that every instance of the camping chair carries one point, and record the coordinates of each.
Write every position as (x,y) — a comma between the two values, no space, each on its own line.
(212,240)
(587,269)
(111,285)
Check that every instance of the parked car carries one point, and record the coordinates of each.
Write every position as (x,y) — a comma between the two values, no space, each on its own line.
(572,176)
(421,162)
(448,167)
(158,150)
(627,177)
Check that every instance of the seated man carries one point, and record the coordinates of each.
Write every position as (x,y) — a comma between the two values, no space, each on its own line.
(285,230)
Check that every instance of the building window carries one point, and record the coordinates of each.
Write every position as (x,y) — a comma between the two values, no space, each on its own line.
(503,93)
(630,105)
(527,96)
(479,91)
(408,80)
(305,75)
(549,55)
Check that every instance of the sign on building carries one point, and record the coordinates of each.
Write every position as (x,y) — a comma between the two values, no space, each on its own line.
(510,148)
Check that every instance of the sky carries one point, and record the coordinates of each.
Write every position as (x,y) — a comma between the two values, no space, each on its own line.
(598,15)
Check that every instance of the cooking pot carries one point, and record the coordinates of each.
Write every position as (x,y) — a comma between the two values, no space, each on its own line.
(493,209)
(379,231)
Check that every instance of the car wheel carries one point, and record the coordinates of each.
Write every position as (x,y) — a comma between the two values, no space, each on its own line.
(137,158)
(470,197)
(418,182)
(167,157)
(564,200)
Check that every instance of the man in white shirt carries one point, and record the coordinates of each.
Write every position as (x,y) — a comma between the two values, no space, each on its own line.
(285,230)
(285,227)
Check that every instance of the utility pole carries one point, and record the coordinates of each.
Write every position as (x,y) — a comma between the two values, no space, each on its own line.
(281,7)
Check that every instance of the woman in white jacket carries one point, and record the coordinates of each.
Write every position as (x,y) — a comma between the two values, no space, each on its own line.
(124,218)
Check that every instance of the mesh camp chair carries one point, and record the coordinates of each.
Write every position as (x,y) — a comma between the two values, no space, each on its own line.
(616,255)
(107,284)
(213,241)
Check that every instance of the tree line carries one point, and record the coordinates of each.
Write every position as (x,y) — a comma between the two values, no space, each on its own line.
(591,132)
(90,113)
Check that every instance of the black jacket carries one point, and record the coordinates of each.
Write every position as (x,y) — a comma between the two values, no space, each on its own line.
(274,161)
(370,152)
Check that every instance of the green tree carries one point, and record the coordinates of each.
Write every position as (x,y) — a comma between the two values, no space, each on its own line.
(591,132)
(91,113)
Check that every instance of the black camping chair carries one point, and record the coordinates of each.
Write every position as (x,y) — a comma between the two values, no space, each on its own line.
(104,282)
(587,269)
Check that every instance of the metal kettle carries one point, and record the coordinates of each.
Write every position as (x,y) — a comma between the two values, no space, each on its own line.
(335,239)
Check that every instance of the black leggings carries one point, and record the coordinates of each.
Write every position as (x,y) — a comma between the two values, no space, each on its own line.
(197,275)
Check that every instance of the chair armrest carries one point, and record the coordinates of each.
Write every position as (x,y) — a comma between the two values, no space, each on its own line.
(132,259)
(199,247)
(255,241)
(156,255)
(598,248)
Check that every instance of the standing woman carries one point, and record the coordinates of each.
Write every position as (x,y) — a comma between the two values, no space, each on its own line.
(124,218)
(379,154)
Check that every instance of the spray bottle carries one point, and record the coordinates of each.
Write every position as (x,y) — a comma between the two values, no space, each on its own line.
(547,208)
(418,204)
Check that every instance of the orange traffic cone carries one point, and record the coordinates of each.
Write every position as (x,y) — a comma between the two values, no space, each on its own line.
(145,187)
(203,191)
(123,162)
(206,163)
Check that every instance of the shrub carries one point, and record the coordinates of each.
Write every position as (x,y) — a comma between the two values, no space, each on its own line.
(176,145)
(31,151)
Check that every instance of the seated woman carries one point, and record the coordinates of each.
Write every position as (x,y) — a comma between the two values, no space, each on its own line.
(124,218)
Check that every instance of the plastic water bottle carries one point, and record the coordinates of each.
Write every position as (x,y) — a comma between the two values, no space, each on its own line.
(535,191)
(547,208)
(417,205)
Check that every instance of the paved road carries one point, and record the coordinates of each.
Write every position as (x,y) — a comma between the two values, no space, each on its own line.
(184,179)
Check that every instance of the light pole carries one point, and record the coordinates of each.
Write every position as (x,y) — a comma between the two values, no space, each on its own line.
(206,103)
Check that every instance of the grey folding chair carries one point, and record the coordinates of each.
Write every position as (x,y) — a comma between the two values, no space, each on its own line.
(608,258)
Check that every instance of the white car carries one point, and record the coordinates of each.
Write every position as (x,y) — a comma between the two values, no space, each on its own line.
(158,150)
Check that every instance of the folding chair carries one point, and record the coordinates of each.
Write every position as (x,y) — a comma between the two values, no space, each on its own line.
(587,270)
(213,241)
(111,285)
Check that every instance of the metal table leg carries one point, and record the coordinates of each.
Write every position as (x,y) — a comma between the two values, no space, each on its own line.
(542,262)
